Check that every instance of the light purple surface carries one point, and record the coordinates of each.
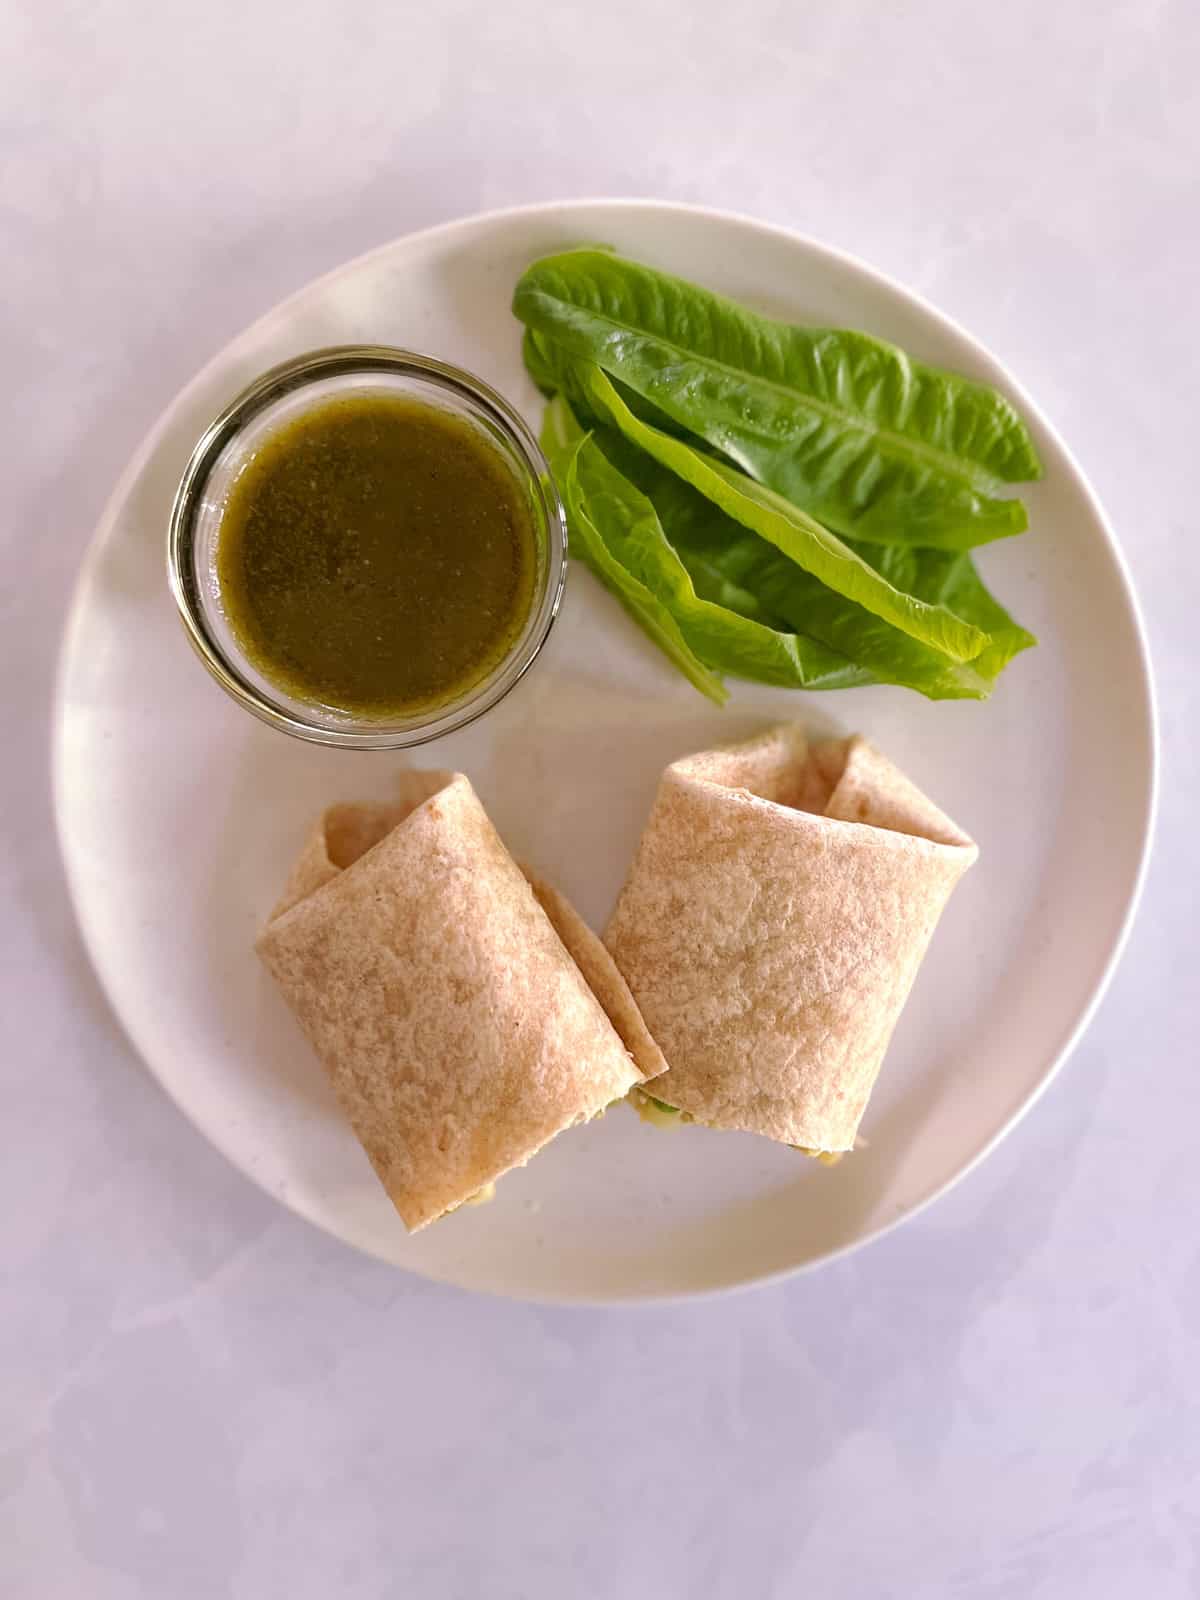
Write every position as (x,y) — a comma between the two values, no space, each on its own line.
(200,1396)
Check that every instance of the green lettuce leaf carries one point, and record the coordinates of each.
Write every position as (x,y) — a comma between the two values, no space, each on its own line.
(636,552)
(725,562)
(798,536)
(539,357)
(563,445)
(954,581)
(733,567)
(875,445)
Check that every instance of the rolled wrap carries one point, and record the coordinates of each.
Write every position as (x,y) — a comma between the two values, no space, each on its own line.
(772,923)
(463,1016)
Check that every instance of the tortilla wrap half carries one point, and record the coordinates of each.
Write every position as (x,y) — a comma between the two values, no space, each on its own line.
(463,1016)
(772,923)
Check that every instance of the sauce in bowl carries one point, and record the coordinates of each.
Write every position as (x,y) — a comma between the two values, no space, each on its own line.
(367,548)
(376,554)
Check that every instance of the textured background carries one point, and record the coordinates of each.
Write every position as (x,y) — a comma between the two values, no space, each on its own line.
(200,1396)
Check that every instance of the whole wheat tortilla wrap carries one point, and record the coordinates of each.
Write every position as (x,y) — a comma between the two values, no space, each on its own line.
(772,923)
(463,1016)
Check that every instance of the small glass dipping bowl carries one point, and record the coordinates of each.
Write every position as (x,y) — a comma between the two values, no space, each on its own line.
(230,442)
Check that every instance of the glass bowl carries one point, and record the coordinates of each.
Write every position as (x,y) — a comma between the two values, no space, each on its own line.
(230,442)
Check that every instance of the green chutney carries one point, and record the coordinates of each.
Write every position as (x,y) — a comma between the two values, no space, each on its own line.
(376,555)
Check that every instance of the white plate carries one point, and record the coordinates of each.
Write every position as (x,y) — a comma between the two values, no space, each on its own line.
(179,814)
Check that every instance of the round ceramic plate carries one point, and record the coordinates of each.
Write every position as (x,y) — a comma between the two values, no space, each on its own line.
(179,814)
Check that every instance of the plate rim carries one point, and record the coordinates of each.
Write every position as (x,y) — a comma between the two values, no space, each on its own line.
(840,259)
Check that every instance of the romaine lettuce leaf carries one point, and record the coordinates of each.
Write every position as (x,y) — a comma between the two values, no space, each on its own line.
(622,541)
(849,428)
(800,537)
